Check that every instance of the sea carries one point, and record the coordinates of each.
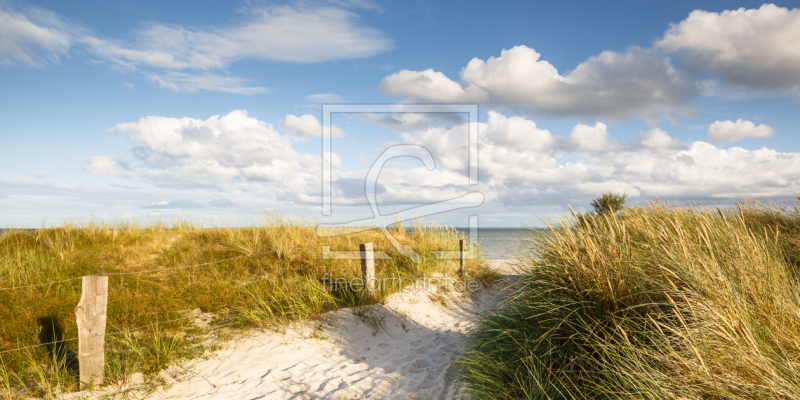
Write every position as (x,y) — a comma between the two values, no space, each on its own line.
(502,243)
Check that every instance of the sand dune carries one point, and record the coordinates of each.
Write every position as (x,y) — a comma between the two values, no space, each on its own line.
(401,349)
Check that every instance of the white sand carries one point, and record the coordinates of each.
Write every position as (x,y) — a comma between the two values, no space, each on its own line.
(407,355)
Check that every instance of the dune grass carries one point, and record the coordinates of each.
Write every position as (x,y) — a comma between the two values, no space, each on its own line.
(658,302)
(203,303)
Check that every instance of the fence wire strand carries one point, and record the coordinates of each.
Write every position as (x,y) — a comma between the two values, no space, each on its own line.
(153,271)
(40,284)
(145,326)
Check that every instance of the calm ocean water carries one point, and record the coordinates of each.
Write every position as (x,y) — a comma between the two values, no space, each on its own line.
(500,243)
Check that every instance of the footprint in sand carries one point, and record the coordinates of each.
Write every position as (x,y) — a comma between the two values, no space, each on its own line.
(441,340)
(423,363)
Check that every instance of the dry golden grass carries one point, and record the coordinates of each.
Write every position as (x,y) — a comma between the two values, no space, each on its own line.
(258,290)
(658,302)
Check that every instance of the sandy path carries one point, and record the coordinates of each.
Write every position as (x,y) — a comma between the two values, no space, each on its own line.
(407,355)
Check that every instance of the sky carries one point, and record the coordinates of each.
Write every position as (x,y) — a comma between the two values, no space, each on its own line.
(212,110)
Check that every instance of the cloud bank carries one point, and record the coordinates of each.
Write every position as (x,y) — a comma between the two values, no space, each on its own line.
(523,164)
(612,85)
(754,49)
(235,157)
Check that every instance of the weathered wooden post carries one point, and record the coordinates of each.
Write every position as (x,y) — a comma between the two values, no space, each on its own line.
(91,316)
(368,267)
(461,245)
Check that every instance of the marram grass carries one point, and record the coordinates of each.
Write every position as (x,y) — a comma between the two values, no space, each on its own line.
(657,302)
(266,291)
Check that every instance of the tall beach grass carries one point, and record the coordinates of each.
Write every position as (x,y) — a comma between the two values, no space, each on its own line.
(183,310)
(658,302)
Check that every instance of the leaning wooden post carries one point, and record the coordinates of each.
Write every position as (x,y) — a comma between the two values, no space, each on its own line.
(368,267)
(91,316)
(461,245)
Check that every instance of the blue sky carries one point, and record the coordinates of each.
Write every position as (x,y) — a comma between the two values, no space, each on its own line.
(122,109)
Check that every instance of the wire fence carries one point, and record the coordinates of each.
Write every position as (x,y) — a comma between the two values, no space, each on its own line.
(155,271)
(40,284)
(140,327)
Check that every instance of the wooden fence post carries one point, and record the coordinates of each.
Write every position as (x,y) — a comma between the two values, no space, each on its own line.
(461,244)
(367,266)
(91,316)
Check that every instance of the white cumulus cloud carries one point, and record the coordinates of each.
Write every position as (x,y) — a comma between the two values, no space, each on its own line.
(756,48)
(658,141)
(231,153)
(520,163)
(612,85)
(307,125)
(593,138)
(519,133)
(730,131)
(430,85)
(511,148)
